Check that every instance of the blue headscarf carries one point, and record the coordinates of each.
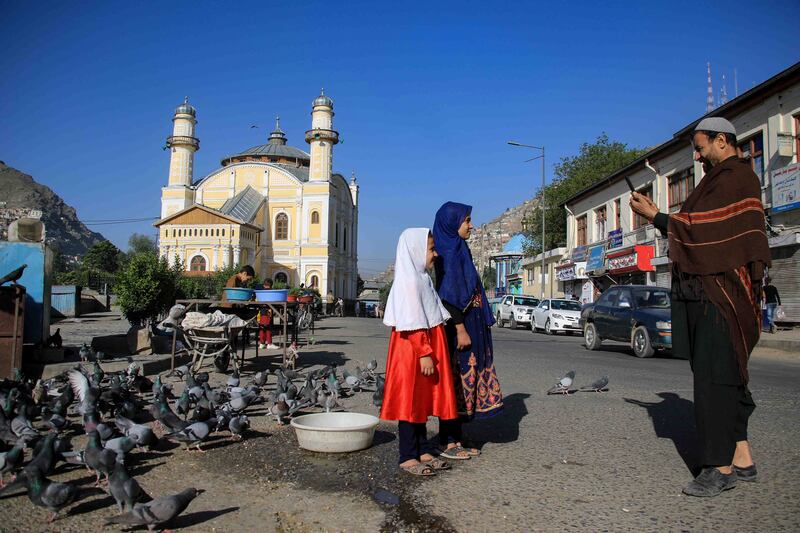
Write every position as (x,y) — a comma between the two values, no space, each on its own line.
(456,276)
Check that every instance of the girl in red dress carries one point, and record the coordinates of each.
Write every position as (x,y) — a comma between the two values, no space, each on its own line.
(419,379)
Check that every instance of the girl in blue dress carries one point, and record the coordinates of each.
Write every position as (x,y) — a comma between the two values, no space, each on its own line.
(469,338)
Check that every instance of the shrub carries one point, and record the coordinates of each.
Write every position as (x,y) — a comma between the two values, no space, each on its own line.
(145,288)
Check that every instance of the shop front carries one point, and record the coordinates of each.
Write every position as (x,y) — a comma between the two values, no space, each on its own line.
(629,266)
(570,277)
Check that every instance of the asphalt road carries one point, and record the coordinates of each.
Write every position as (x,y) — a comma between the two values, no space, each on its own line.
(617,460)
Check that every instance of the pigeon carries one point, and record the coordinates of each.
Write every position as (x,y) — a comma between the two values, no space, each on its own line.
(354,382)
(120,446)
(11,460)
(233,379)
(377,396)
(13,276)
(39,392)
(182,404)
(56,422)
(372,366)
(157,511)
(46,493)
(260,379)
(125,489)
(192,435)
(180,372)
(141,434)
(45,460)
(84,392)
(563,385)
(85,352)
(279,410)
(598,386)
(54,340)
(164,415)
(238,425)
(98,459)
(330,402)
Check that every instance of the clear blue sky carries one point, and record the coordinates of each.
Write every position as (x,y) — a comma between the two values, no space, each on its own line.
(426,95)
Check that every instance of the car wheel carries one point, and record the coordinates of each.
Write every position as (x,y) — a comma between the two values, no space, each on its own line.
(512,323)
(590,337)
(499,320)
(547,327)
(641,343)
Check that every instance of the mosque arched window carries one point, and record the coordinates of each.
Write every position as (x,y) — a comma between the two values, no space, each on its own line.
(314,281)
(315,217)
(281,227)
(336,239)
(344,239)
(281,277)
(197,264)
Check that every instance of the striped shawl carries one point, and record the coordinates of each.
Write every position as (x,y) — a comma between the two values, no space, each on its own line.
(719,239)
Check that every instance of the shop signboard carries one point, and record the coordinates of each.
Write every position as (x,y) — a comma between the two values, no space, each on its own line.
(786,188)
(622,261)
(615,238)
(579,253)
(571,271)
(596,259)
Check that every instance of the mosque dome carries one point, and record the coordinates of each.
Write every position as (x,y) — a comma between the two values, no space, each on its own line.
(322,100)
(186,108)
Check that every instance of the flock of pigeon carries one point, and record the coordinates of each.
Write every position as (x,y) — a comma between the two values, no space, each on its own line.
(122,412)
(564,385)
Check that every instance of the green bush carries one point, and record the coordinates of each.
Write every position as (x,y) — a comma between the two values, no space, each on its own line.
(145,288)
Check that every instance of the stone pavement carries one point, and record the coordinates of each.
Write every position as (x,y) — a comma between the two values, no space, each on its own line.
(783,339)
(614,461)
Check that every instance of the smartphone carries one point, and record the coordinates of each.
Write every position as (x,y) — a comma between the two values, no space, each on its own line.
(630,185)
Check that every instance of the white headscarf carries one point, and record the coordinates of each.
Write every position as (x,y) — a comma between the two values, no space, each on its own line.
(413,303)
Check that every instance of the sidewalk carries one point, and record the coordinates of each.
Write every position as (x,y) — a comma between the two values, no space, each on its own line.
(787,340)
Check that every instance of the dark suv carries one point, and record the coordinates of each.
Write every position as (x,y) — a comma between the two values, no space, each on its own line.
(630,313)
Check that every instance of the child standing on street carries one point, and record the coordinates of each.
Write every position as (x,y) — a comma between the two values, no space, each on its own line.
(265,324)
(419,379)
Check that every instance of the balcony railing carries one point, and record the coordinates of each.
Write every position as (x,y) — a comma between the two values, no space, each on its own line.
(183,140)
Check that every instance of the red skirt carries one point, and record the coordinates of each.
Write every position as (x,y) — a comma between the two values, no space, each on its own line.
(410,396)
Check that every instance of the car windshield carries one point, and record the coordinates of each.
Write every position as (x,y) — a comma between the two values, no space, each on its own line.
(566,305)
(526,301)
(652,298)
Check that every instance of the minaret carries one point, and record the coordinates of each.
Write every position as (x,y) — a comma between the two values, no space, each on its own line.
(321,137)
(182,144)
(710,96)
(354,188)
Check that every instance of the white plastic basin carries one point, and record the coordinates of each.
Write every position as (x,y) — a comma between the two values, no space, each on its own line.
(335,432)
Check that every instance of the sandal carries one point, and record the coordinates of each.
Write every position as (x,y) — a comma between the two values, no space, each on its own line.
(438,464)
(419,469)
(456,453)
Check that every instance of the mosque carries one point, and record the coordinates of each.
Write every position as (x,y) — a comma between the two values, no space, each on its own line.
(278,208)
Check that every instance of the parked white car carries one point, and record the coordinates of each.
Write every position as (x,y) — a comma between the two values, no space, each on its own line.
(515,310)
(553,315)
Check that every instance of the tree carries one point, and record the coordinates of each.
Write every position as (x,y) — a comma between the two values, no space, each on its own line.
(145,288)
(572,174)
(139,243)
(359,285)
(102,256)
(489,277)
(383,294)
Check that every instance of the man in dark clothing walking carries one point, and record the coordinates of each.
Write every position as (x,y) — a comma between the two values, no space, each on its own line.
(719,250)
(773,300)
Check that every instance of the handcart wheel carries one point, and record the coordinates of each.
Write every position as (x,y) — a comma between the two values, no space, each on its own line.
(222,360)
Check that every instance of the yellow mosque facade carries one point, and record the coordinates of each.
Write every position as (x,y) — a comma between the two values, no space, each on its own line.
(275,207)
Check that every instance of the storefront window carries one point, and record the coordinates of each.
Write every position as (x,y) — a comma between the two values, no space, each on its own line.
(618,213)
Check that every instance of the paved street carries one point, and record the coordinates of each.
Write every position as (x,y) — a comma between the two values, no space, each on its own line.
(613,461)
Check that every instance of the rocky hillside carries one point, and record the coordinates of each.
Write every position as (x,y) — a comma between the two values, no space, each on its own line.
(487,238)
(20,195)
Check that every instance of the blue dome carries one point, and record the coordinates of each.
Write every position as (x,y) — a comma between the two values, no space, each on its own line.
(515,244)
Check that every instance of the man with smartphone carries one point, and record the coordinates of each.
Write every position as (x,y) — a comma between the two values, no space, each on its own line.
(719,250)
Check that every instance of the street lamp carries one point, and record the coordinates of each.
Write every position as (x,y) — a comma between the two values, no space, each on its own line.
(514,143)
